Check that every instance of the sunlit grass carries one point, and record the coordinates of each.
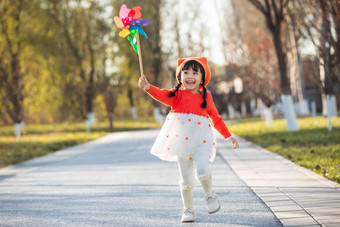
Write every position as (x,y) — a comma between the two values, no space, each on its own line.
(38,140)
(312,147)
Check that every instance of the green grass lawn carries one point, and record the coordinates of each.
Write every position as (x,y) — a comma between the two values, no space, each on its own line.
(38,140)
(312,147)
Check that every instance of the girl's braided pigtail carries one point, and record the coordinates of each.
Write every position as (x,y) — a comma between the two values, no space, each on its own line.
(204,103)
(173,93)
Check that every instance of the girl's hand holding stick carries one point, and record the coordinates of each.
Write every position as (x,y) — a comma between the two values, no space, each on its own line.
(143,83)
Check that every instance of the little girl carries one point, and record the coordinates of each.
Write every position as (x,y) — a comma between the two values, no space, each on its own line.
(187,136)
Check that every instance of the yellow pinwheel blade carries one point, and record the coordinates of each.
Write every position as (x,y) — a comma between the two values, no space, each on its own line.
(124,33)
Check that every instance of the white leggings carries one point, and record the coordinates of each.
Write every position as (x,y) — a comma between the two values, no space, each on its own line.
(187,170)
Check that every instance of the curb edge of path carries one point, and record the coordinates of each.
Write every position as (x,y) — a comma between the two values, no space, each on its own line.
(265,189)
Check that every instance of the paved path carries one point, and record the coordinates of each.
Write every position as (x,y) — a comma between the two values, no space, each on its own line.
(114,181)
(296,195)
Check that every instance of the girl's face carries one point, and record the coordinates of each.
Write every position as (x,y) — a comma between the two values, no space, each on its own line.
(191,79)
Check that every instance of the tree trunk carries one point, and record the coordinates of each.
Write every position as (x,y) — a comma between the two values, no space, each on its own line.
(296,73)
(156,56)
(281,57)
(17,97)
(10,27)
(243,108)
(109,100)
(132,104)
(274,17)
(287,100)
(89,97)
(325,67)
(90,43)
(268,115)
(289,113)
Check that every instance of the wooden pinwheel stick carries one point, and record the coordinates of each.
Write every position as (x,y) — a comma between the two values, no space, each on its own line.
(140,56)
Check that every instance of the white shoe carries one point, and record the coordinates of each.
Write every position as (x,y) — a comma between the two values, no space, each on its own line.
(187,215)
(212,203)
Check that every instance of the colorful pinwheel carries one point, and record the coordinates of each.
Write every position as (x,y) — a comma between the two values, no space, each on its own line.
(129,20)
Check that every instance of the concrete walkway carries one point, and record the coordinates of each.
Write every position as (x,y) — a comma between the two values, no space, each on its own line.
(115,181)
(297,196)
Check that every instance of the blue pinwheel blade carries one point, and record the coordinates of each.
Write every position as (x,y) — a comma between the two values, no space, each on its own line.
(139,29)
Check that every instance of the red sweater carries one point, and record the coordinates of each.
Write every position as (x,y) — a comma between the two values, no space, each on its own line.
(188,102)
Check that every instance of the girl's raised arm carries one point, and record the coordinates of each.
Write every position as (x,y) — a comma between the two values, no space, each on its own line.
(161,95)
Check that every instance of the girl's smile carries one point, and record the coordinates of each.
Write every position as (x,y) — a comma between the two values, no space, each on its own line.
(191,80)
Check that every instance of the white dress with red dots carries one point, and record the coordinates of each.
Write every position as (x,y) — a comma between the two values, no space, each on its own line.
(188,127)
(182,135)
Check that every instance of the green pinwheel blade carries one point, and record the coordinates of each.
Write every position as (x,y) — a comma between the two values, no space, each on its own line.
(133,42)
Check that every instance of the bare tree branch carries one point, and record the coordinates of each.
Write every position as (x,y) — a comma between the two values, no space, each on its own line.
(276,12)
(3,29)
(259,6)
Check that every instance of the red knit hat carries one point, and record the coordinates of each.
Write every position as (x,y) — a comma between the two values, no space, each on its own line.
(202,60)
